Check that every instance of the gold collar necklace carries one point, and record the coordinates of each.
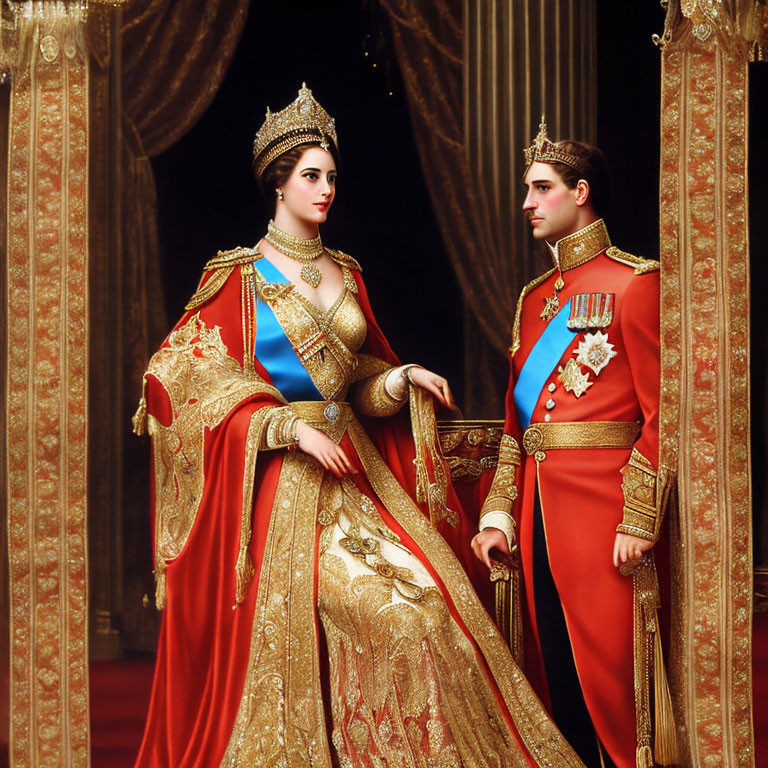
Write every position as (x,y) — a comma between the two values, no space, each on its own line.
(573,251)
(303,249)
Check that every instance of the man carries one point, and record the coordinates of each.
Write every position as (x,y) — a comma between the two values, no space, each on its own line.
(580,448)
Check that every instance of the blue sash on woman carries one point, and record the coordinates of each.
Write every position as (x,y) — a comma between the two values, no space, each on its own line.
(273,349)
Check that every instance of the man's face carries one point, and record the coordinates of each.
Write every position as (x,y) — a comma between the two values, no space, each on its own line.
(551,206)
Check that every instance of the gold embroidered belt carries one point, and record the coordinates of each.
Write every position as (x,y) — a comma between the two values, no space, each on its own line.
(539,438)
(328,416)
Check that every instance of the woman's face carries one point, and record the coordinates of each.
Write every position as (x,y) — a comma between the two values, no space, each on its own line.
(309,191)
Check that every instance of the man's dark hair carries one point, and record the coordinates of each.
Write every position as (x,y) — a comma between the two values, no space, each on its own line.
(596,174)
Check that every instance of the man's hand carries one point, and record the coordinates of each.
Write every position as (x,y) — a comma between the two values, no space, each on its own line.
(486,540)
(629,549)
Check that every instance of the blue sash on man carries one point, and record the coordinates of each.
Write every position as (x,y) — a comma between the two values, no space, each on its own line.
(541,360)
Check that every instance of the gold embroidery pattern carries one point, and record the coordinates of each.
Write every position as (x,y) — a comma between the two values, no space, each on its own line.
(46,413)
(705,391)
(645,497)
(433,491)
(281,720)
(325,342)
(372,399)
(539,438)
(470,447)
(202,389)
(405,684)
(343,504)
(536,730)
(582,246)
(501,497)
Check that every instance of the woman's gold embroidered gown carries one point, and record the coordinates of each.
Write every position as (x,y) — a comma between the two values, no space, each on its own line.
(368,647)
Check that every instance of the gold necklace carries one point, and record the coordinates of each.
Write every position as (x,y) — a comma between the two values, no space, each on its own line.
(303,249)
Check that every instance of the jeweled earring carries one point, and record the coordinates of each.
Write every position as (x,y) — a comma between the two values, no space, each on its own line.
(280,195)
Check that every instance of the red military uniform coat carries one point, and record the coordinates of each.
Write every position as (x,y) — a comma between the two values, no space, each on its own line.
(580,490)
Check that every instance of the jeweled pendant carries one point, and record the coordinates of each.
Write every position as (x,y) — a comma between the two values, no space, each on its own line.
(311,275)
(551,308)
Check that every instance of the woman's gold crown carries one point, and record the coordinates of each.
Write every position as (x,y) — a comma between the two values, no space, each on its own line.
(543,150)
(302,121)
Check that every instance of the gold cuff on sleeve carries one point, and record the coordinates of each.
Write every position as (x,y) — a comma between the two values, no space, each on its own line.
(503,493)
(645,497)
(281,429)
(372,397)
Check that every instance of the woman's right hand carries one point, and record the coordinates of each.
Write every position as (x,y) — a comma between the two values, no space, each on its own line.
(320,446)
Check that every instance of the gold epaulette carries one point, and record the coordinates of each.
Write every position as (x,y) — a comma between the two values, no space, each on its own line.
(222,265)
(516,327)
(344,259)
(640,265)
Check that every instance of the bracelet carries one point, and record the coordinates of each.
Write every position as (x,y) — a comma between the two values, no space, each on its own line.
(407,372)
(293,434)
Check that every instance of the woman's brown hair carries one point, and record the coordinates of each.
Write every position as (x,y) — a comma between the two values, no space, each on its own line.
(280,169)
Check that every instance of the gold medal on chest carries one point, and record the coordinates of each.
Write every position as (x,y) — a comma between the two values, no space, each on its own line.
(574,380)
(595,351)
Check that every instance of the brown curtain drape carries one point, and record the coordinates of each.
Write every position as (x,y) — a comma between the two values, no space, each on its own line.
(478,75)
(174,57)
(157,66)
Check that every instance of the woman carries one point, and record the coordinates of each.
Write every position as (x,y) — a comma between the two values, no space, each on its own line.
(314,616)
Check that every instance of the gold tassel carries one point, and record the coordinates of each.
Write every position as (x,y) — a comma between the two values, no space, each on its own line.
(644,757)
(139,419)
(160,594)
(665,743)
(245,571)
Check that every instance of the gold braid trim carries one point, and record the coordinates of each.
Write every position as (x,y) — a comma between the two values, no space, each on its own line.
(646,492)
(640,265)
(503,493)
(424,428)
(222,266)
(649,663)
(244,567)
(516,327)
(344,259)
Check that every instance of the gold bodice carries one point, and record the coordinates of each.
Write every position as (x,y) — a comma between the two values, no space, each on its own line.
(326,342)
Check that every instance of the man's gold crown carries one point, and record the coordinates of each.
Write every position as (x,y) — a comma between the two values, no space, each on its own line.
(543,150)
(300,122)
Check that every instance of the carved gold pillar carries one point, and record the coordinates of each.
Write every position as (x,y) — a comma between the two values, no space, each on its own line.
(705,377)
(47,351)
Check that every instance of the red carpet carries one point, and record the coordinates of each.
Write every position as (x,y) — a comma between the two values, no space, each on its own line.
(120,699)
(119,702)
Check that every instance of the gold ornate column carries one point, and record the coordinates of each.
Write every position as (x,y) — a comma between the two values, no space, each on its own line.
(705,374)
(47,353)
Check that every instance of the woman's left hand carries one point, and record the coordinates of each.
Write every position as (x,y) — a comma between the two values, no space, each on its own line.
(433,383)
